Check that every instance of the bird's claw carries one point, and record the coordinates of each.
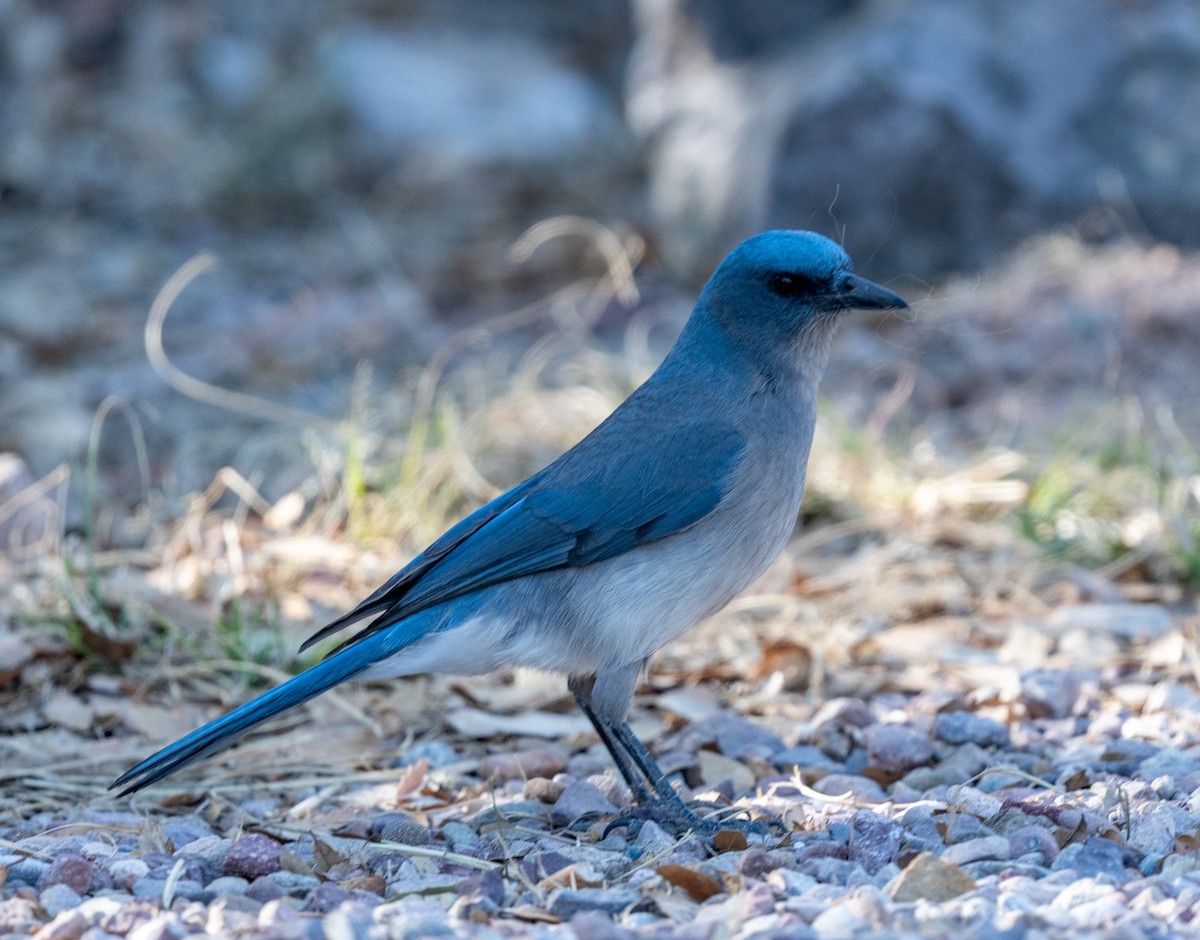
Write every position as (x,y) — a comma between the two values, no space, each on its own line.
(681,819)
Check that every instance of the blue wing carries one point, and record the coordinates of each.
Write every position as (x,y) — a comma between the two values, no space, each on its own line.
(593,503)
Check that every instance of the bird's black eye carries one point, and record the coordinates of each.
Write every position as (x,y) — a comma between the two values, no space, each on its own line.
(791,285)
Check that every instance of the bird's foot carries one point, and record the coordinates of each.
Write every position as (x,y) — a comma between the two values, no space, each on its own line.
(677,818)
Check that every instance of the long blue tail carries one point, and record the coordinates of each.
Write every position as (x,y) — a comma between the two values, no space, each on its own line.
(220,732)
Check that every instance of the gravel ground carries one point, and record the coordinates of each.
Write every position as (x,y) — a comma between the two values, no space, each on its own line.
(1060,801)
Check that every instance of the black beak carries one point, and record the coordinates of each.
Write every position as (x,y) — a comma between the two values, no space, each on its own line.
(855,291)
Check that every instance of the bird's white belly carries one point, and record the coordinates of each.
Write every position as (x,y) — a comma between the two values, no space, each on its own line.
(619,611)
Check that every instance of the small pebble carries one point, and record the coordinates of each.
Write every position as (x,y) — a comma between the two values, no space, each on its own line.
(67,925)
(252,855)
(58,898)
(876,840)
(459,836)
(973,850)
(230,884)
(578,800)
(1049,693)
(522,765)
(962,727)
(397,827)
(864,788)
(74,871)
(1093,856)
(125,871)
(542,789)
(896,749)
(567,902)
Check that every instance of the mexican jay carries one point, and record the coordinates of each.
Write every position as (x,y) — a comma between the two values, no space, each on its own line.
(679,500)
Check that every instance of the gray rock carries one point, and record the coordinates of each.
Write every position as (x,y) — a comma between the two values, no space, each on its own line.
(862,787)
(848,712)
(1027,841)
(58,898)
(615,790)
(597,925)
(567,903)
(326,897)
(653,840)
(1168,762)
(1093,856)
(962,727)
(212,850)
(182,830)
(437,752)
(1049,693)
(974,850)
(608,862)
(230,884)
(896,749)
(349,921)
(755,901)
(806,757)
(252,855)
(875,841)
(68,869)
(27,871)
(578,800)
(265,890)
(459,836)
(486,884)
(397,827)
(99,908)
(290,882)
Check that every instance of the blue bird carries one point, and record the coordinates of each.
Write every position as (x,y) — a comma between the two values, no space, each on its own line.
(678,501)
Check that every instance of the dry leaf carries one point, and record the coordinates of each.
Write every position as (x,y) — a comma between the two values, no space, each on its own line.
(730,840)
(413,779)
(699,886)
(534,915)
(372,883)
(791,659)
(578,875)
(68,711)
(716,767)
(929,878)
(325,856)
(290,861)
(535,762)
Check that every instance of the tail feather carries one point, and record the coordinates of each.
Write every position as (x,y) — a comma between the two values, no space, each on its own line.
(223,731)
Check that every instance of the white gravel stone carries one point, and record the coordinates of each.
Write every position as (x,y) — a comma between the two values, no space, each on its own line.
(975,849)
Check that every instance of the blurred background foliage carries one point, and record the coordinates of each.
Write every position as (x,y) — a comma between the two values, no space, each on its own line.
(1023,172)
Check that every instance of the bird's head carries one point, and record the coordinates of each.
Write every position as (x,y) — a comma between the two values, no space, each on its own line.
(777,294)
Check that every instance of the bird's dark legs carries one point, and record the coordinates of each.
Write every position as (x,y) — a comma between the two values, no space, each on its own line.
(636,784)
(659,801)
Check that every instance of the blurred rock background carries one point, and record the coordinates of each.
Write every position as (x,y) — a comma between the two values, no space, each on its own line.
(1025,173)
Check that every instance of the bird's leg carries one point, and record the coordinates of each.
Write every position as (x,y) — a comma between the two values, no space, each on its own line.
(659,801)
(636,784)
(641,756)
